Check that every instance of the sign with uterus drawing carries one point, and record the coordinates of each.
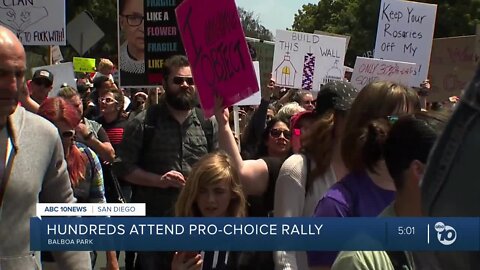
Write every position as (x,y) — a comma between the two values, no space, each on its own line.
(307,61)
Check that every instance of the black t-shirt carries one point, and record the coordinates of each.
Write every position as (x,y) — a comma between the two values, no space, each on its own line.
(114,130)
(262,206)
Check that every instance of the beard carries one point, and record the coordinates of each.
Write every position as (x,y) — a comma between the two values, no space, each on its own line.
(182,101)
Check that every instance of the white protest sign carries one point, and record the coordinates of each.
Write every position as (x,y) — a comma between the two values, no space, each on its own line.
(405,33)
(62,73)
(36,22)
(56,54)
(347,38)
(369,70)
(307,61)
(257,96)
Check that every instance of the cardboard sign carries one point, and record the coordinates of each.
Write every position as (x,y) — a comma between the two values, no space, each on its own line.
(39,22)
(307,61)
(62,73)
(218,53)
(257,97)
(451,67)
(369,70)
(405,33)
(83,64)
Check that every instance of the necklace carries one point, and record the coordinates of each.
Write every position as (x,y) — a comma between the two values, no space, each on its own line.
(127,64)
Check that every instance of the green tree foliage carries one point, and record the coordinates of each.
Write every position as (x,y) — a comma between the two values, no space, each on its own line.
(359,19)
(252,26)
(104,14)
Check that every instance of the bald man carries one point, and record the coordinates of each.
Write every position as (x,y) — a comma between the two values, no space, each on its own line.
(32,167)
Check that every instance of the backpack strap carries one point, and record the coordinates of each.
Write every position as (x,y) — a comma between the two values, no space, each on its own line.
(149,124)
(90,160)
(207,127)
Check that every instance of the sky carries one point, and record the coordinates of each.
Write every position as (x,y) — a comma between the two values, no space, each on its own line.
(274,14)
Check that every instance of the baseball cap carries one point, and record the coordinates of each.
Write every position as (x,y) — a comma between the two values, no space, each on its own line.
(43,74)
(296,118)
(335,95)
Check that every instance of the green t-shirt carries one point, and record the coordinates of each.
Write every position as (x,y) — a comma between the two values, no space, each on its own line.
(365,260)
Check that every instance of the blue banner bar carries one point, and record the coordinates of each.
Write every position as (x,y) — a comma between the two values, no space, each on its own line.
(254,234)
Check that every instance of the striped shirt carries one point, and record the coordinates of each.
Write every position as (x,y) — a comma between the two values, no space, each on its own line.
(114,130)
(91,189)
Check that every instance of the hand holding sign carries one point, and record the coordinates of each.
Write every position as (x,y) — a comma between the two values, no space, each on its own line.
(218,53)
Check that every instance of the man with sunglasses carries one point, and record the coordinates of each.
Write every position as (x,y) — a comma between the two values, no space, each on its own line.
(159,147)
(41,85)
(32,167)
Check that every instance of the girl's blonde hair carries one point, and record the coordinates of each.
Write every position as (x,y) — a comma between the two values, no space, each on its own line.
(210,170)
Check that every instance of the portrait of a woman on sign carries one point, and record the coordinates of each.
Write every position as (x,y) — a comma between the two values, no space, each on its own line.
(132,43)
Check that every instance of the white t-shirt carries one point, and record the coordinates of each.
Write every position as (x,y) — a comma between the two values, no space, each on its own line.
(290,201)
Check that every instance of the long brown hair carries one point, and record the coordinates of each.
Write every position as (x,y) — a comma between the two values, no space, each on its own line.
(209,170)
(366,125)
(318,142)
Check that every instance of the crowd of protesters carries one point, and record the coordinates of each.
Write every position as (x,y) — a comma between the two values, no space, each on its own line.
(341,152)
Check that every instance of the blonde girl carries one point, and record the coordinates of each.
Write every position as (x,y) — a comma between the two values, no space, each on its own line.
(212,190)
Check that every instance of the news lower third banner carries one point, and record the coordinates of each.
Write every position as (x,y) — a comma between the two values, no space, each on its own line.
(254,234)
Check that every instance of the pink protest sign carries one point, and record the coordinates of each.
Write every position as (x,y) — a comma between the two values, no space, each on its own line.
(217,50)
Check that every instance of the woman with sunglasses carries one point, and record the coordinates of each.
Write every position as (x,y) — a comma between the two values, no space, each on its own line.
(83,164)
(113,120)
(257,176)
(275,140)
(112,116)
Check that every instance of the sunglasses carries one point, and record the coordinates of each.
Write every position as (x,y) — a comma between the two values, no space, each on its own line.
(179,80)
(107,100)
(67,134)
(276,133)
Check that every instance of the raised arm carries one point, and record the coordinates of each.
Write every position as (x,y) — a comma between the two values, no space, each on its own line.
(253,173)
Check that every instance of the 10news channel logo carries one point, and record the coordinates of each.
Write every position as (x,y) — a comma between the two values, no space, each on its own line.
(446,234)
